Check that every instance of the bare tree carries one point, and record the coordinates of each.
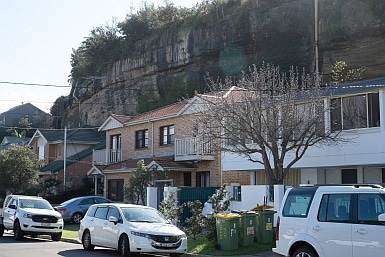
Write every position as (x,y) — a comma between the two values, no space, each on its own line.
(268,116)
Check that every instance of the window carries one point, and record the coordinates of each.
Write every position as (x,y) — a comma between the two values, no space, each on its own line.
(101,213)
(298,203)
(369,207)
(203,179)
(167,135)
(112,211)
(116,148)
(141,139)
(354,112)
(349,176)
(335,208)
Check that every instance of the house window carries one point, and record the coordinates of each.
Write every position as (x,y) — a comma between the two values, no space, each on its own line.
(58,151)
(115,190)
(141,139)
(115,148)
(354,112)
(167,135)
(203,179)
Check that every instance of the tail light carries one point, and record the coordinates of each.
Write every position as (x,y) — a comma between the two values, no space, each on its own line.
(277,229)
(61,210)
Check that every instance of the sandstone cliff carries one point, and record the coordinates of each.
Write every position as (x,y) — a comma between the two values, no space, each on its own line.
(352,31)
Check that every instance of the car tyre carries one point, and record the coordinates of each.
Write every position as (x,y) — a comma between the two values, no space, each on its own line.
(124,246)
(86,241)
(1,230)
(174,254)
(77,217)
(18,234)
(305,251)
(56,236)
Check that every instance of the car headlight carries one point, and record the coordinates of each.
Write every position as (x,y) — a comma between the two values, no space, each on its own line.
(60,218)
(140,234)
(27,215)
(183,236)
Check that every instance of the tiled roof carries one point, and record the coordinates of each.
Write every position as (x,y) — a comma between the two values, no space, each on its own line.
(172,109)
(121,118)
(56,166)
(166,162)
(84,134)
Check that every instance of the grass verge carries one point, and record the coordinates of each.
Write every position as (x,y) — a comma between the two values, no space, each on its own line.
(202,246)
(70,231)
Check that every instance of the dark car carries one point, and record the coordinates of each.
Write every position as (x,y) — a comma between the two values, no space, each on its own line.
(73,210)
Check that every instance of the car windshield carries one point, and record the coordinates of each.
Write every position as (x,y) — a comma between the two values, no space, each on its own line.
(35,203)
(143,215)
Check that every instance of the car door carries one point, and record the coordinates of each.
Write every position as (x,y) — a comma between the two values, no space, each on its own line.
(97,224)
(368,233)
(111,229)
(85,204)
(332,227)
(9,213)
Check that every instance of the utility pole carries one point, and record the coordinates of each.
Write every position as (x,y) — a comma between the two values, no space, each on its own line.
(316,35)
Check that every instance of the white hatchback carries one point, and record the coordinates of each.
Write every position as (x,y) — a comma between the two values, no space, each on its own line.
(130,228)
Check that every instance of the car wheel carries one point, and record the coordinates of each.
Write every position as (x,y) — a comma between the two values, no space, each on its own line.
(124,246)
(77,217)
(56,237)
(17,232)
(86,241)
(174,254)
(1,230)
(305,252)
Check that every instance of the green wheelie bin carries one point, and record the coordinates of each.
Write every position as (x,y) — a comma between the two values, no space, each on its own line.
(247,224)
(264,225)
(227,225)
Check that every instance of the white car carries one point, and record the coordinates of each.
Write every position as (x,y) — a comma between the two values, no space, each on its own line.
(30,215)
(332,220)
(130,228)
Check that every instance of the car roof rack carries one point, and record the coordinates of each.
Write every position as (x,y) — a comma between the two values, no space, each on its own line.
(358,185)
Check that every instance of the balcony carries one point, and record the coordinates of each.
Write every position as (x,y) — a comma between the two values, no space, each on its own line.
(106,156)
(193,149)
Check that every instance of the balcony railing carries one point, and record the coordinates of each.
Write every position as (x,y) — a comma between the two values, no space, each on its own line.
(192,149)
(106,156)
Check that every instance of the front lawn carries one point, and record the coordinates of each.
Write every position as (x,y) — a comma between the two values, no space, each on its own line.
(202,246)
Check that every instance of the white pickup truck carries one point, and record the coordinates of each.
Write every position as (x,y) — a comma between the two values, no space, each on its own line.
(30,215)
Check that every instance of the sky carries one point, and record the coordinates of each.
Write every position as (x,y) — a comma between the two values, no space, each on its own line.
(37,38)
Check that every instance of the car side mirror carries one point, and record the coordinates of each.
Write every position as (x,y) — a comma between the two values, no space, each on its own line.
(381,217)
(12,206)
(113,219)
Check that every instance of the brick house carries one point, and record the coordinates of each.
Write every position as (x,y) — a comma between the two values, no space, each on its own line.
(167,139)
(66,153)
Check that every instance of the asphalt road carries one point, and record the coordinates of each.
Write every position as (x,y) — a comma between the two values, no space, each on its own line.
(38,247)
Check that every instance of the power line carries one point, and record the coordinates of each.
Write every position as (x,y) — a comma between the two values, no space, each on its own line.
(30,84)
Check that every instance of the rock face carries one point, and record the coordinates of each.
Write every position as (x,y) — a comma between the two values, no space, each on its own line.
(352,31)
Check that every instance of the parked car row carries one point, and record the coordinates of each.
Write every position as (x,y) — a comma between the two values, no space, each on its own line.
(128,228)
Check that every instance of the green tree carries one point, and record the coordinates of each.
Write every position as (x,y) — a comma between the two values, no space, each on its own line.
(18,169)
(195,221)
(342,74)
(220,202)
(170,209)
(136,190)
